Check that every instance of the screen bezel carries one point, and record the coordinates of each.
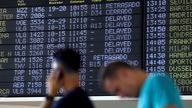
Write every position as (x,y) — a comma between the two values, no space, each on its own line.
(98,98)
(93,98)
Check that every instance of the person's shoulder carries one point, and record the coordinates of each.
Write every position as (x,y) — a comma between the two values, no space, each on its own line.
(159,76)
(83,94)
(82,98)
(161,80)
(59,103)
(79,92)
(69,98)
(76,98)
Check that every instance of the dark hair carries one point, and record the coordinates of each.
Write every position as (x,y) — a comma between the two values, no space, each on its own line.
(111,70)
(69,58)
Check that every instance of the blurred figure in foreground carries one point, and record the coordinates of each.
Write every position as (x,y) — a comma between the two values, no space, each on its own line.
(153,91)
(65,74)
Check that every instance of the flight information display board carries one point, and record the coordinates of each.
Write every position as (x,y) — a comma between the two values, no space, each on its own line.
(31,30)
(168,33)
(155,35)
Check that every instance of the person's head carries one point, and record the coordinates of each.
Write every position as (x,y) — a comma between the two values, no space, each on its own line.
(122,79)
(67,63)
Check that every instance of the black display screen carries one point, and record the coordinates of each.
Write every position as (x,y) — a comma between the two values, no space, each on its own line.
(168,40)
(155,35)
(31,30)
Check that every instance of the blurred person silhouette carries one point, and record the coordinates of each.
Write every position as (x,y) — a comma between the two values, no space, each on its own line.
(65,74)
(152,90)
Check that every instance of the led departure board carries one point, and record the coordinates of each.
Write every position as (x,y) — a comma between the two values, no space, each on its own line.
(155,35)
(31,30)
(168,40)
